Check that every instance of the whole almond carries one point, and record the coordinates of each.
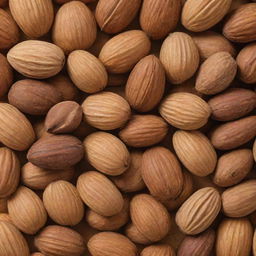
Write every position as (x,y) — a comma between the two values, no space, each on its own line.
(7,75)
(144,131)
(135,235)
(114,161)
(199,211)
(26,210)
(10,172)
(162,173)
(123,51)
(146,84)
(113,16)
(100,194)
(33,17)
(179,56)
(233,167)
(74,27)
(158,250)
(36,59)
(106,110)
(185,111)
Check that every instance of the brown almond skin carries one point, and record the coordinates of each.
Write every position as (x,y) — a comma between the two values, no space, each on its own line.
(232,104)
(158,250)
(63,117)
(135,235)
(233,167)
(33,97)
(6,74)
(233,134)
(56,152)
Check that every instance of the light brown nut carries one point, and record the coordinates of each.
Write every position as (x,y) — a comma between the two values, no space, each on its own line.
(135,235)
(6,74)
(5,217)
(66,1)
(158,250)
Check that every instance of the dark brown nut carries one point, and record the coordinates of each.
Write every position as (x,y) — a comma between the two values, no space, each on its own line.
(6,75)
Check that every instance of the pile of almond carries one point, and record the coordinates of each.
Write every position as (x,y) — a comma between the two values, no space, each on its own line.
(127,128)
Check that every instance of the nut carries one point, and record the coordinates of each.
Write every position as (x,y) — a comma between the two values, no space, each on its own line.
(6,74)
(158,250)
(135,235)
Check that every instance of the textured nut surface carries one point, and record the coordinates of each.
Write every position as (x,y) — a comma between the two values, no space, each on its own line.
(158,250)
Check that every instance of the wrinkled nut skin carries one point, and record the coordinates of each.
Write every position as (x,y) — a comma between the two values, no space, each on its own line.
(135,235)
(6,74)
(5,217)
(66,1)
(64,117)
(56,152)
(158,250)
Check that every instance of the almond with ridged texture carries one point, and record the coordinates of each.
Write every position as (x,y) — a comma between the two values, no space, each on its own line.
(241,24)
(240,200)
(114,161)
(162,173)
(110,243)
(86,71)
(200,15)
(36,59)
(189,145)
(26,210)
(10,172)
(158,250)
(60,241)
(74,27)
(100,194)
(12,242)
(150,217)
(234,237)
(6,74)
(34,17)
(123,51)
(5,217)
(16,131)
(135,235)
(114,16)
(106,110)
(146,83)
(66,1)
(233,167)
(199,211)
(63,203)
(179,56)
(185,110)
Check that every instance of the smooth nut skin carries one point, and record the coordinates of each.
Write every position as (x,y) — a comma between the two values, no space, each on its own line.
(158,250)
(64,117)
(6,74)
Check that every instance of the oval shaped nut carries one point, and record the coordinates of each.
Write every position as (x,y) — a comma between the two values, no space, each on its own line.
(100,194)
(241,25)
(19,208)
(33,97)
(86,71)
(234,237)
(199,211)
(146,84)
(33,17)
(60,240)
(189,145)
(134,234)
(185,110)
(106,110)
(63,203)
(239,201)
(150,217)
(144,131)
(180,57)
(233,134)
(114,161)
(6,73)
(99,244)
(162,173)
(114,16)
(16,132)
(158,250)
(123,51)
(10,172)
(12,241)
(201,15)
(56,152)
(74,27)
(36,59)
(216,73)
(233,167)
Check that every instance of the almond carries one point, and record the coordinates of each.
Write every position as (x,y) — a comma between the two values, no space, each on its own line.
(20,206)
(66,1)
(135,235)
(37,254)
(123,51)
(144,130)
(199,211)
(100,194)
(36,59)
(114,161)
(10,172)
(6,74)
(5,217)
(185,111)
(158,250)
(180,57)
(146,84)
(254,150)
(216,73)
